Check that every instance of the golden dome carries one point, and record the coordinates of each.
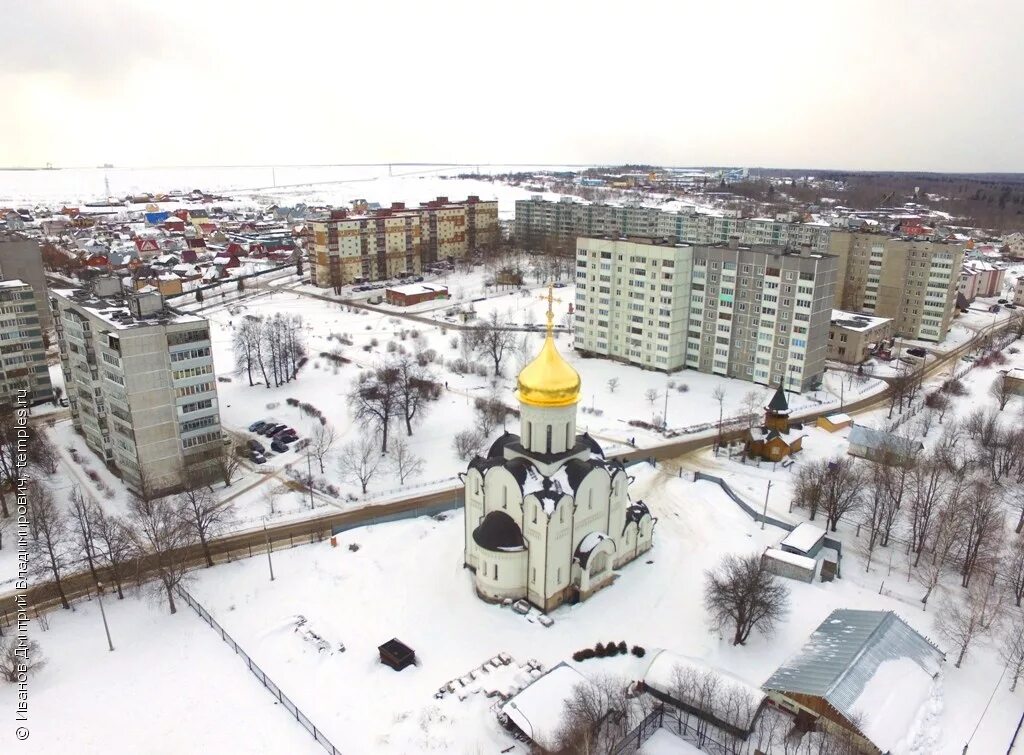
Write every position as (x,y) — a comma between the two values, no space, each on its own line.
(549,380)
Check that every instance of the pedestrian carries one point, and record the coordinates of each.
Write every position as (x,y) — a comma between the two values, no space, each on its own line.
(446,385)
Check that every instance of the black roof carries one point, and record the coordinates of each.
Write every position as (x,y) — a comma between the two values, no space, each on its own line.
(498,531)
(519,468)
(498,447)
(592,444)
(635,513)
(576,470)
(779,402)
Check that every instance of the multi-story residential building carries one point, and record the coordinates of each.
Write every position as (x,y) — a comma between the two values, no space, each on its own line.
(979,278)
(538,220)
(22,354)
(397,241)
(851,336)
(913,280)
(141,384)
(757,313)
(21,259)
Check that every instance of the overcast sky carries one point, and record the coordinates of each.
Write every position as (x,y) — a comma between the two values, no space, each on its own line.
(929,85)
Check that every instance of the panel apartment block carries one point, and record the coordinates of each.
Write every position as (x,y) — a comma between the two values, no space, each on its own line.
(21,258)
(398,240)
(538,219)
(22,354)
(140,383)
(758,313)
(913,281)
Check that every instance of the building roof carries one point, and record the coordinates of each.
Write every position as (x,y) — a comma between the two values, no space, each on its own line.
(804,537)
(779,404)
(879,440)
(842,657)
(548,380)
(498,532)
(415,289)
(856,320)
(538,711)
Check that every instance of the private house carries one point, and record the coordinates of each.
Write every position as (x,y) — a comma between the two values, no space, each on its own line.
(774,440)
(875,445)
(866,673)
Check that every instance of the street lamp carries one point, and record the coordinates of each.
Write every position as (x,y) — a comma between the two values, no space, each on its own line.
(512,704)
(106,628)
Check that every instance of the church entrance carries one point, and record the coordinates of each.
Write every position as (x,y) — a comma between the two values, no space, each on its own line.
(598,564)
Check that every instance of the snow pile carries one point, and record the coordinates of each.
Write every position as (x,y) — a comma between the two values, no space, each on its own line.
(893,701)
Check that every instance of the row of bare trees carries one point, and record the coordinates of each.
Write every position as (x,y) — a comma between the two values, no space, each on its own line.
(273,347)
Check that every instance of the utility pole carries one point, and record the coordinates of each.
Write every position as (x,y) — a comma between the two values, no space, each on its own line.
(270,563)
(106,628)
(765,513)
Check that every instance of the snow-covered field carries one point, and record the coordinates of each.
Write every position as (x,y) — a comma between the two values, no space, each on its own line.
(406,580)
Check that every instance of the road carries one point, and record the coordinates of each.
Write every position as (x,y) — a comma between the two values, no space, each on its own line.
(240,544)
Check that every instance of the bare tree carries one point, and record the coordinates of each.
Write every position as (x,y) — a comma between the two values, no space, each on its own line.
(872,510)
(17,660)
(928,484)
(983,530)
(651,395)
(246,342)
(83,513)
(5,524)
(613,383)
(1012,650)
(228,464)
(742,593)
(468,443)
(204,515)
(1001,391)
(358,460)
(719,395)
(1012,569)
(833,485)
(417,388)
(405,463)
(115,546)
(961,622)
(49,550)
(375,399)
(751,405)
(595,716)
(321,441)
(164,535)
(494,339)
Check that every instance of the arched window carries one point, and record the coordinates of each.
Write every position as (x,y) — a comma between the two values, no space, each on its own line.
(528,440)
(548,428)
(568,435)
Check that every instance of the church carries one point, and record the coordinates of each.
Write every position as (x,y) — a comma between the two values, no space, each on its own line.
(548,518)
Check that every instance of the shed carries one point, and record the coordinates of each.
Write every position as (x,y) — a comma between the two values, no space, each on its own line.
(414,293)
(537,711)
(834,422)
(866,672)
(789,565)
(806,539)
(682,682)
(876,444)
(396,654)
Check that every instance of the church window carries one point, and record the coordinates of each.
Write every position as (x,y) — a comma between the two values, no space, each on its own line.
(558,577)
(495,571)
(535,508)
(548,428)
(504,498)
(561,515)
(528,439)
(590,499)
(533,577)
(568,436)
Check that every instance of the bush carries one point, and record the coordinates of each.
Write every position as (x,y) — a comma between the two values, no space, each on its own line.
(599,651)
(292,401)
(392,347)
(374,342)
(954,388)
(353,547)
(622,648)
(682,388)
(638,651)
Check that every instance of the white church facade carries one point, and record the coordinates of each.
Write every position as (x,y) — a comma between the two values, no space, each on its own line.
(548,518)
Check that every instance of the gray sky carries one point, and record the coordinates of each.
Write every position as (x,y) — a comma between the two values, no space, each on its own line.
(929,85)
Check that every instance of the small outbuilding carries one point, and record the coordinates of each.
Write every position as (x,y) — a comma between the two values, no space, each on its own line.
(414,293)
(789,565)
(806,539)
(396,654)
(537,712)
(834,422)
(876,445)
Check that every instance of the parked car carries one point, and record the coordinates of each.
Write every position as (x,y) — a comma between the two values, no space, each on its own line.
(967,358)
(1002,301)
(255,427)
(917,351)
(257,458)
(271,429)
(256,446)
(285,431)
(278,447)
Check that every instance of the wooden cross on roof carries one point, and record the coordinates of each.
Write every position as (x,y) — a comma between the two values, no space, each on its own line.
(551,299)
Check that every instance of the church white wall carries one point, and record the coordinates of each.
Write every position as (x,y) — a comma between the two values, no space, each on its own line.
(501,574)
(534,422)
(473,502)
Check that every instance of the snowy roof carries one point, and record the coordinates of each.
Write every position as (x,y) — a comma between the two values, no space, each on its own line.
(671,674)
(791,558)
(413,289)
(856,320)
(840,662)
(804,537)
(881,440)
(538,709)
(838,419)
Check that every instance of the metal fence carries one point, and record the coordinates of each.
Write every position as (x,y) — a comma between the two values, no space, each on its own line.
(265,680)
(701,735)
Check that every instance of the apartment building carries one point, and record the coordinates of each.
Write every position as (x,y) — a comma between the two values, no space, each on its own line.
(397,240)
(980,278)
(140,382)
(912,280)
(22,354)
(21,258)
(852,336)
(538,219)
(758,313)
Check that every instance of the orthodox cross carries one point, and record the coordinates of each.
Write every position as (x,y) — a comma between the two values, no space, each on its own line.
(551,299)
